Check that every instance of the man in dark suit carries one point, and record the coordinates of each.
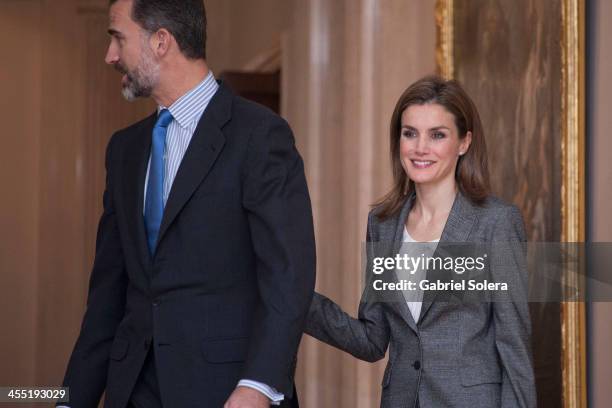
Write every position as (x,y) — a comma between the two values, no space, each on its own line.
(205,256)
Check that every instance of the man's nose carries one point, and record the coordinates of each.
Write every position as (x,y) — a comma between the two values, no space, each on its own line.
(112,57)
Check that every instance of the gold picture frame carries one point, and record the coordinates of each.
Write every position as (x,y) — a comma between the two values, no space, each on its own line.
(572,217)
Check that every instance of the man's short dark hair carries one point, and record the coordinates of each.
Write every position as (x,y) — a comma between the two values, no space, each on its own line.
(184,19)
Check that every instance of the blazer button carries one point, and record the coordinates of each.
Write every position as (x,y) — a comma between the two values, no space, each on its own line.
(417,365)
(156,302)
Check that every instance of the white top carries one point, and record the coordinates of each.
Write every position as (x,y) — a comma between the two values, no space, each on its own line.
(414,299)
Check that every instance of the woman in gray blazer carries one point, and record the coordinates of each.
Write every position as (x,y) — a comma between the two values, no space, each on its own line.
(442,353)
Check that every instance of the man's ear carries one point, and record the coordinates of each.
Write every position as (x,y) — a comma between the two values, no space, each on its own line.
(161,42)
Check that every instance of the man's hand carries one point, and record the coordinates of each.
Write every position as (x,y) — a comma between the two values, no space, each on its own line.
(245,397)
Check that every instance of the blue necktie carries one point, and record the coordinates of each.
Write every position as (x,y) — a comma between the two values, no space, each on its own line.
(154,207)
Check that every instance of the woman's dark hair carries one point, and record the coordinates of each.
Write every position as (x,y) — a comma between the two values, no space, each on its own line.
(184,19)
(472,174)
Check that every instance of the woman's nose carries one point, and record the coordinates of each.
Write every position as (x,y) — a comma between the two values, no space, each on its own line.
(422,145)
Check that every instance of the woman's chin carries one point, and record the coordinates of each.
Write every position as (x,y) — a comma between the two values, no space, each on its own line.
(422,179)
(428,182)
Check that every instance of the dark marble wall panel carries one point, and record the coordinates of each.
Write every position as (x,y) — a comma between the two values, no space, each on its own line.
(507,54)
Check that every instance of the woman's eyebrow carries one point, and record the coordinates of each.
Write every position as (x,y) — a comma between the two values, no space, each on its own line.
(433,128)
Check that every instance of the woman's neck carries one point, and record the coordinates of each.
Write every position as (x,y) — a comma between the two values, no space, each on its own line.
(430,211)
(433,201)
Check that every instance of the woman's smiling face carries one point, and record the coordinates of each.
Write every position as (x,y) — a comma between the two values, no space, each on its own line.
(430,145)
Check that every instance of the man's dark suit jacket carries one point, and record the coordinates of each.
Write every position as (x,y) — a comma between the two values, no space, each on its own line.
(226,293)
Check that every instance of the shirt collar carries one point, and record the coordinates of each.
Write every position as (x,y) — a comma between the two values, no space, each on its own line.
(189,107)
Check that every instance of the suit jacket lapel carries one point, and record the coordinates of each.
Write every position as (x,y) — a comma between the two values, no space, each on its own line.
(456,230)
(136,161)
(205,146)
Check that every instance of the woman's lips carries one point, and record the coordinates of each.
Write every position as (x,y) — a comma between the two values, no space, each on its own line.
(422,164)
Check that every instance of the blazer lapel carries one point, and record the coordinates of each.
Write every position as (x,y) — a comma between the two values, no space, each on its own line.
(136,161)
(204,148)
(395,232)
(456,230)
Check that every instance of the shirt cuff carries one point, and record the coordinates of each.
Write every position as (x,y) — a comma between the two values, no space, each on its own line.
(274,396)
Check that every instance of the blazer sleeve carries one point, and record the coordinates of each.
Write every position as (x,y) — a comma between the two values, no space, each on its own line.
(88,365)
(511,310)
(365,337)
(275,196)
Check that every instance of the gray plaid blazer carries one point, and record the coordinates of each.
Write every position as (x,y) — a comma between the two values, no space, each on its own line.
(459,355)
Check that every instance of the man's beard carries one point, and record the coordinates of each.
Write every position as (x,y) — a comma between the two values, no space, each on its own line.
(140,81)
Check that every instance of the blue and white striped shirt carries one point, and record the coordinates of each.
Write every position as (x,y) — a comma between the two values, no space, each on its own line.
(186,112)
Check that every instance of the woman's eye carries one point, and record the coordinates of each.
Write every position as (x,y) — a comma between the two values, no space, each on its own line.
(408,133)
(438,135)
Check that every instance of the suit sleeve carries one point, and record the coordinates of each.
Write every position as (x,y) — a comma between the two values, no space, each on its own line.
(511,311)
(366,337)
(275,196)
(88,365)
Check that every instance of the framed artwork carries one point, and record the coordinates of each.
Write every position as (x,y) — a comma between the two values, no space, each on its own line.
(522,61)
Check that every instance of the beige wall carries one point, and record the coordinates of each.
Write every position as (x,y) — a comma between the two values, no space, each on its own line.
(21,101)
(345,62)
(239,30)
(600,197)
